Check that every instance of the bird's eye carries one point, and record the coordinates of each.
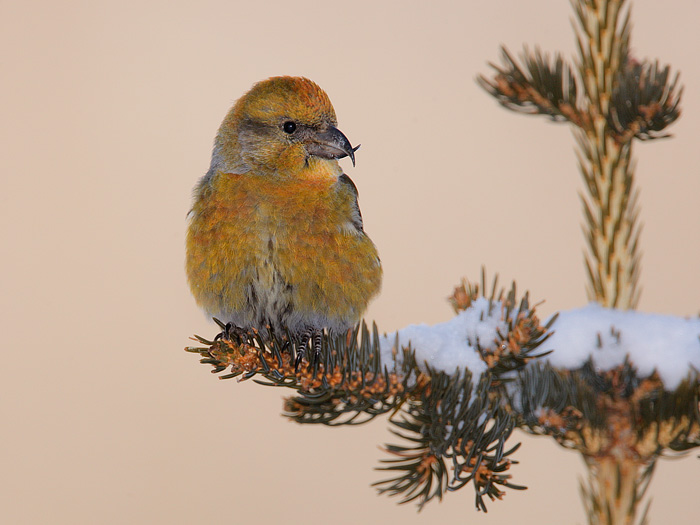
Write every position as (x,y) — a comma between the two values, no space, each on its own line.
(289,127)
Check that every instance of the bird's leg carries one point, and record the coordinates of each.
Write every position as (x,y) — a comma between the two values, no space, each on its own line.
(318,343)
(301,349)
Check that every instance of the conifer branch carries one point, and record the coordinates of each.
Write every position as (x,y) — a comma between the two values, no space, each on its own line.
(541,86)
(348,385)
(455,424)
(451,423)
(645,101)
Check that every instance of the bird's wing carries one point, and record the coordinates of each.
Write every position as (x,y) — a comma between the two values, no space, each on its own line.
(347,184)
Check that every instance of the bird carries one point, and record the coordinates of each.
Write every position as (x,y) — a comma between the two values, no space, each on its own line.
(275,240)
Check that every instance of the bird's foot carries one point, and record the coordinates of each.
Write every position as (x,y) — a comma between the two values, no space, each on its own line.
(231,333)
(317,339)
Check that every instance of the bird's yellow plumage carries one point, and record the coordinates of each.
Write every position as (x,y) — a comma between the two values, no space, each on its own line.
(275,234)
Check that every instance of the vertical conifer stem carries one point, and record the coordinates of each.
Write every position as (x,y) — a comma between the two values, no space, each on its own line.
(609,204)
(615,488)
(609,200)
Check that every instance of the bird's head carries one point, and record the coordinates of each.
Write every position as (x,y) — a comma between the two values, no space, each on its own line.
(280,125)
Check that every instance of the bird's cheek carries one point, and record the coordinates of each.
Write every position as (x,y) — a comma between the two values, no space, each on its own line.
(292,159)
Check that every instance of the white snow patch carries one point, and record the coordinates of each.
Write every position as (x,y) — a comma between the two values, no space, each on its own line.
(665,343)
(446,346)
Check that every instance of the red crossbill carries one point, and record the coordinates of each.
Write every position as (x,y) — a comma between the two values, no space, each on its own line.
(275,235)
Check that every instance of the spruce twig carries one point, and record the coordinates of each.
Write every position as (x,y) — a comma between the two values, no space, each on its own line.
(455,424)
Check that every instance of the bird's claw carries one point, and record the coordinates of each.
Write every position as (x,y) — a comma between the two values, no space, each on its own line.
(231,333)
(299,359)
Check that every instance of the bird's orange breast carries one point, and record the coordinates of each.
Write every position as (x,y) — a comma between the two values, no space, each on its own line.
(280,250)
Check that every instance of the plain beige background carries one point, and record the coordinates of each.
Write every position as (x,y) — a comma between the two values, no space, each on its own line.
(109,110)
